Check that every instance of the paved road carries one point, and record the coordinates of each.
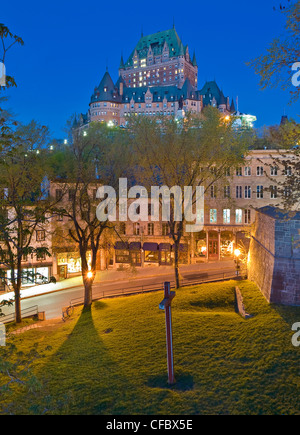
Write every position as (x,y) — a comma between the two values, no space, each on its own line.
(53,303)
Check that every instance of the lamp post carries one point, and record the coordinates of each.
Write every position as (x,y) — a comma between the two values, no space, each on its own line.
(237,254)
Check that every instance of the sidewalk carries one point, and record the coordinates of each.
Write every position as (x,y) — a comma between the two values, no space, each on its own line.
(113,275)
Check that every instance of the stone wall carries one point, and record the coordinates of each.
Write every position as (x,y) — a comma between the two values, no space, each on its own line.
(274,256)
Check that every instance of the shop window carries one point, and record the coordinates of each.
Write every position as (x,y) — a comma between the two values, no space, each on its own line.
(227,244)
(151,256)
(122,256)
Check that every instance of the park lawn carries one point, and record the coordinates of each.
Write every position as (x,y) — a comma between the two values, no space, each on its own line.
(112,359)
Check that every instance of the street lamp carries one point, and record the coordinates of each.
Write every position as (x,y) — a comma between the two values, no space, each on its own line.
(89,275)
(237,254)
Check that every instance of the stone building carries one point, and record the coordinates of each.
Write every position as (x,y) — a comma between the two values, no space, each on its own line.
(158,78)
(274,256)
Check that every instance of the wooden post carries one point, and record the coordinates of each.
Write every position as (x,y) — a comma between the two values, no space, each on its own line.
(166,305)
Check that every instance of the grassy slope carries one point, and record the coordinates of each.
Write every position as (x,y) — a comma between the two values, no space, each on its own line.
(223,364)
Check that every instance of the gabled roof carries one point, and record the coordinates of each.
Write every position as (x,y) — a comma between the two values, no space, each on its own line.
(156,41)
(211,90)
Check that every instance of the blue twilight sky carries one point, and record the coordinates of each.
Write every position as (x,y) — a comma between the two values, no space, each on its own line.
(68,44)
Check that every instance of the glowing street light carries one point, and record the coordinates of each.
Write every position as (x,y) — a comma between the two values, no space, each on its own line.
(237,254)
(89,275)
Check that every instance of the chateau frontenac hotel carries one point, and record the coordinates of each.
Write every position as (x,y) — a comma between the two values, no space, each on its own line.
(159,78)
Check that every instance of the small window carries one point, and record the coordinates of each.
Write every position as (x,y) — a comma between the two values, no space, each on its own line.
(40,235)
(260,171)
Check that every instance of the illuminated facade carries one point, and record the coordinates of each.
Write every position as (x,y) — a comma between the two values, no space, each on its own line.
(159,78)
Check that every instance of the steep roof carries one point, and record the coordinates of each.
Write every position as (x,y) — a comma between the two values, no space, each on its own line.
(156,41)
(232,107)
(106,90)
(211,90)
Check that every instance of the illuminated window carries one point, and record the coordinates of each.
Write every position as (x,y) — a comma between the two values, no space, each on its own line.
(226,216)
(213,216)
(238,216)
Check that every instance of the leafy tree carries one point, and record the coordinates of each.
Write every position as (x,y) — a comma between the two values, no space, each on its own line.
(98,158)
(193,152)
(8,40)
(275,66)
(24,204)
(286,138)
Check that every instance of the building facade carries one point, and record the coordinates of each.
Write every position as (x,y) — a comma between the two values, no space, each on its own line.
(158,79)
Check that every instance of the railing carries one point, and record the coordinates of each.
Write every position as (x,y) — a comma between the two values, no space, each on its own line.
(27,312)
(204,278)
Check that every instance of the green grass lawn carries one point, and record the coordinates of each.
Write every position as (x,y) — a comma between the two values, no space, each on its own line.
(112,359)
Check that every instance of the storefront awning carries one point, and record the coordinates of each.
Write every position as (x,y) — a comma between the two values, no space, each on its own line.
(122,246)
(134,246)
(150,247)
(165,247)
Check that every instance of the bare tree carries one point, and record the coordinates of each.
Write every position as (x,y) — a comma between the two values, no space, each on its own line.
(193,152)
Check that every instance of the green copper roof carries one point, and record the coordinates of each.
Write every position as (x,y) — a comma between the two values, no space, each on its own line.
(209,91)
(156,41)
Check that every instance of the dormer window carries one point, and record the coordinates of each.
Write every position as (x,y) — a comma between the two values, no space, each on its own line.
(105,89)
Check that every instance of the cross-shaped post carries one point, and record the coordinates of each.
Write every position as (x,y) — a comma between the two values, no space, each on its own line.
(166,305)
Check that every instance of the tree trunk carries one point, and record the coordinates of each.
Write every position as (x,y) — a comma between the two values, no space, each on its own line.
(18,306)
(176,266)
(88,296)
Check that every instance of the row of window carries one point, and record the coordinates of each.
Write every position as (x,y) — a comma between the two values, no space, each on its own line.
(241,216)
(260,171)
(246,192)
(227,219)
(150,113)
